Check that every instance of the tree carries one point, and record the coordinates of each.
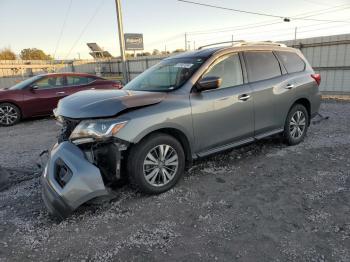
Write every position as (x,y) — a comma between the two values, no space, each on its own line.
(127,55)
(178,50)
(155,52)
(144,54)
(165,53)
(7,54)
(34,54)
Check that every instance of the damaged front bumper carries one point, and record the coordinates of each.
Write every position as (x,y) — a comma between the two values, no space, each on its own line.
(69,180)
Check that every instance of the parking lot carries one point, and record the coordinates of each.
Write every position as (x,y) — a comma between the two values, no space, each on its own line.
(261,202)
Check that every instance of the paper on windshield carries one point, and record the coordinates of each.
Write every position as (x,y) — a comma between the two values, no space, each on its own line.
(183,65)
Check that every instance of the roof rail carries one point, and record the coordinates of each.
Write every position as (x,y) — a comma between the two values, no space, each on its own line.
(244,43)
(219,43)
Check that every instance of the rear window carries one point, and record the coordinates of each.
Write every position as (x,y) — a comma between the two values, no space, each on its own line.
(261,65)
(291,61)
(79,80)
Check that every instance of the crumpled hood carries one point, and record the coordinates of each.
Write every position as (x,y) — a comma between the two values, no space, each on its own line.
(104,103)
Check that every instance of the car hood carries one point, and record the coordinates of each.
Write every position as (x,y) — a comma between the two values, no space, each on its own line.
(104,103)
(4,93)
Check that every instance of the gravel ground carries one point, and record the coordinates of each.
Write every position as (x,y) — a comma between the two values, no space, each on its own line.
(261,202)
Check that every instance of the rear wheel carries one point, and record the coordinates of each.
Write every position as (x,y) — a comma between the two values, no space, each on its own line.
(156,164)
(9,114)
(296,125)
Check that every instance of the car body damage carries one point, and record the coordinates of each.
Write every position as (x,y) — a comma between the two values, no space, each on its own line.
(105,103)
(79,170)
(70,179)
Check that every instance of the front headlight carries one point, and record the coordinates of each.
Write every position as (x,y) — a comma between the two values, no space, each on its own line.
(97,129)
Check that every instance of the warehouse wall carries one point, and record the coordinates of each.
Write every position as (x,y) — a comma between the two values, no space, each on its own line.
(329,56)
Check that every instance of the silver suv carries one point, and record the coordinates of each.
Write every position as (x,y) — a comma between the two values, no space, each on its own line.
(186,107)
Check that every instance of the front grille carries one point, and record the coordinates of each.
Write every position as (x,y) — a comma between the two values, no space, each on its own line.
(68,126)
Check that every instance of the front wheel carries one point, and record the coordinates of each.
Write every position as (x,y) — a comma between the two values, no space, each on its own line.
(296,125)
(9,114)
(156,163)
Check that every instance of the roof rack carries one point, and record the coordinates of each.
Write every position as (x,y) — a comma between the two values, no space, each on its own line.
(244,43)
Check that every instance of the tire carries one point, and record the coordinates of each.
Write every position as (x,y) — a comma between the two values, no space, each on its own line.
(296,125)
(145,158)
(9,114)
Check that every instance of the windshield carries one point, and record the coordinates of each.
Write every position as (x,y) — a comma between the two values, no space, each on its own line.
(25,83)
(168,75)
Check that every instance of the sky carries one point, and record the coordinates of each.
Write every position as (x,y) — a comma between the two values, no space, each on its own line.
(62,28)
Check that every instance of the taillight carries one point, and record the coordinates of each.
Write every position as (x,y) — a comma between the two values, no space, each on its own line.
(317,78)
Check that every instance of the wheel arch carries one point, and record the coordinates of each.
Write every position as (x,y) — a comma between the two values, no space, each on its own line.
(13,103)
(306,103)
(177,134)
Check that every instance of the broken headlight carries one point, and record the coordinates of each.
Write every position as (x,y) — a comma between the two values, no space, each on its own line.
(96,129)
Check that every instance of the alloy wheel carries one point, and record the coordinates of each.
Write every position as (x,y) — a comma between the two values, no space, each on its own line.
(160,165)
(297,124)
(8,115)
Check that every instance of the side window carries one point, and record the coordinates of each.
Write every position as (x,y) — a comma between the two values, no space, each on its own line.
(51,82)
(292,62)
(229,69)
(261,65)
(78,80)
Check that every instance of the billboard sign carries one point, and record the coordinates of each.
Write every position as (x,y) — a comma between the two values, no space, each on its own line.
(133,41)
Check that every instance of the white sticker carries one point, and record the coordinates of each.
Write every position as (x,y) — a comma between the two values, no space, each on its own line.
(183,65)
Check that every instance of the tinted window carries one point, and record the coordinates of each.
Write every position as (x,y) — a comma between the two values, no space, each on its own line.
(78,80)
(292,62)
(261,65)
(229,69)
(51,82)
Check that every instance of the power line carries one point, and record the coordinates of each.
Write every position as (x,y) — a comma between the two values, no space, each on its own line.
(231,9)
(85,27)
(316,2)
(269,22)
(274,30)
(62,28)
(254,25)
(285,18)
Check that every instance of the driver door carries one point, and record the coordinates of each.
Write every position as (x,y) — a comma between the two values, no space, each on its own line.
(44,94)
(224,116)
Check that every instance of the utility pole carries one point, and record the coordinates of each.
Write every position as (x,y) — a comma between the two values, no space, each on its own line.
(121,38)
(295,34)
(232,39)
(194,45)
(185,41)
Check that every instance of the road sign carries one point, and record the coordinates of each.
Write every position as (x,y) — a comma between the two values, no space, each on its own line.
(133,41)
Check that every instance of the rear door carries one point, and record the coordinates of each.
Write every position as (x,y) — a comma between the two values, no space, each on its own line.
(79,83)
(270,90)
(225,115)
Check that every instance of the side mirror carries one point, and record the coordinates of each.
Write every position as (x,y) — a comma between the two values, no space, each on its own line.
(208,83)
(34,87)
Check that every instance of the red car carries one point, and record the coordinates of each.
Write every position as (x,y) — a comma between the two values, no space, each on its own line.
(39,95)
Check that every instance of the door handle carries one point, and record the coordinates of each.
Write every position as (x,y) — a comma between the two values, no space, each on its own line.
(244,97)
(60,93)
(289,86)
